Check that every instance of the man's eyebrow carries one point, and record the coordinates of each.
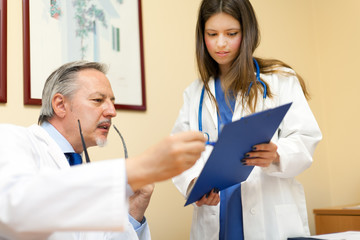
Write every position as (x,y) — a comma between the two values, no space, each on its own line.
(97,94)
(103,95)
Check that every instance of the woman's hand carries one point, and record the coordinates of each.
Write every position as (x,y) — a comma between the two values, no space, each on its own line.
(212,198)
(262,155)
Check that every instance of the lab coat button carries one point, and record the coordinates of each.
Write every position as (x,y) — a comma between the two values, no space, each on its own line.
(253,211)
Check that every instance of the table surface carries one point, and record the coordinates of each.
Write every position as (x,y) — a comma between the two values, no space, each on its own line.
(353,209)
(350,235)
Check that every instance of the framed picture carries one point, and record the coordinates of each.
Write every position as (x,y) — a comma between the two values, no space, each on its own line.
(3,50)
(107,31)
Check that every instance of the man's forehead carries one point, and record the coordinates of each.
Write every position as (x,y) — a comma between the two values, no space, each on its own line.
(93,76)
(96,83)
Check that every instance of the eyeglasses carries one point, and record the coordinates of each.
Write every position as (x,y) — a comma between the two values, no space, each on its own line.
(84,145)
(123,142)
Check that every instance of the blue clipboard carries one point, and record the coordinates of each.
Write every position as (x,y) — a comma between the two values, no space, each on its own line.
(224,167)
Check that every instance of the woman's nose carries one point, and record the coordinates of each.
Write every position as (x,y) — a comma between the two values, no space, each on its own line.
(221,41)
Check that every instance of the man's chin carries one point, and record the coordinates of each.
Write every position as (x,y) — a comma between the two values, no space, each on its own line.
(101,142)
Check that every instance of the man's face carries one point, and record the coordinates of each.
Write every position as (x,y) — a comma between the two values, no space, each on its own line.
(93,105)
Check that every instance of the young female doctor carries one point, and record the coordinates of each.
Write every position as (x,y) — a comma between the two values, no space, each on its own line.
(233,83)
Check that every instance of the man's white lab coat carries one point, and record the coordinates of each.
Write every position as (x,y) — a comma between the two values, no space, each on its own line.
(41,197)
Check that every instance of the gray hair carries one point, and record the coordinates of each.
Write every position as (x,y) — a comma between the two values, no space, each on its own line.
(63,81)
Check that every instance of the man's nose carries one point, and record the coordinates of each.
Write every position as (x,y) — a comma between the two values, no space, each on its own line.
(109,110)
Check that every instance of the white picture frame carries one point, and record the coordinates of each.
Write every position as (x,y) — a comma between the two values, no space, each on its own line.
(107,31)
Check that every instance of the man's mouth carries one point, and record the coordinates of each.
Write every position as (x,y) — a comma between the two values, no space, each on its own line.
(104,125)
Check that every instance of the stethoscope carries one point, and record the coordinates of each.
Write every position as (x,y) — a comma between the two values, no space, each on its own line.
(203,92)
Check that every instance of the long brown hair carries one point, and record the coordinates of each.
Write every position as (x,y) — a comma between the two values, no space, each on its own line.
(242,70)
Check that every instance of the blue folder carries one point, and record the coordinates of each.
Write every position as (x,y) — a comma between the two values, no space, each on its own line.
(224,167)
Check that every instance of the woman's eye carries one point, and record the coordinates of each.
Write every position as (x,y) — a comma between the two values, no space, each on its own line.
(232,34)
(97,100)
(211,34)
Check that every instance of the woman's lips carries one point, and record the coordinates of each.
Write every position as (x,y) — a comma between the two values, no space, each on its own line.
(222,53)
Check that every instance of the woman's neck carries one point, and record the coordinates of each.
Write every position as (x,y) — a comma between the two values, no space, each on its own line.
(224,69)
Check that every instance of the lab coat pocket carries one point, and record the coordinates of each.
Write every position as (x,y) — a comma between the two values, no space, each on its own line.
(289,221)
(205,223)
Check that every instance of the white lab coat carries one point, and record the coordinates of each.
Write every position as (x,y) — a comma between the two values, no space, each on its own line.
(274,206)
(37,201)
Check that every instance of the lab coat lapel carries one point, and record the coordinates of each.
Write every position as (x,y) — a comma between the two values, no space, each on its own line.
(58,157)
(261,105)
(53,149)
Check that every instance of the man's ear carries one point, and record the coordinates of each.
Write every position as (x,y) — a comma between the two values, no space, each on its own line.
(59,105)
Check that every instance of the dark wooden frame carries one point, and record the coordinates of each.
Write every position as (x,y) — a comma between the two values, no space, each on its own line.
(3,51)
(28,100)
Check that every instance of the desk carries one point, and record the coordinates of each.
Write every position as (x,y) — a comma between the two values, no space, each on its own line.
(337,219)
(351,235)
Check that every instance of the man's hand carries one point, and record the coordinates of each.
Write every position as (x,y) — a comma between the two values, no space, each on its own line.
(169,158)
(139,201)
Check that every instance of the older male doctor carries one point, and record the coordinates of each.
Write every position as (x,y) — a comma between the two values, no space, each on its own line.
(42,197)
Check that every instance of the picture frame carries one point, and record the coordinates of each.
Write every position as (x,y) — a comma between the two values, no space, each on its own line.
(108,31)
(3,51)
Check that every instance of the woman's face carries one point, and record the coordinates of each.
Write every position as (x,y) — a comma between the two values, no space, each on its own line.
(222,38)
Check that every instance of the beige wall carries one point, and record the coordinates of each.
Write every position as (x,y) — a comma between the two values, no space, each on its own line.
(338,37)
(318,38)
(288,34)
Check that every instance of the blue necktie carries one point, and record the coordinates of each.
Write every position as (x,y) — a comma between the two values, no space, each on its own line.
(73,158)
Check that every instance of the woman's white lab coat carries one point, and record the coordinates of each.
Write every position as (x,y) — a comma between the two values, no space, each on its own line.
(274,205)
(37,201)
